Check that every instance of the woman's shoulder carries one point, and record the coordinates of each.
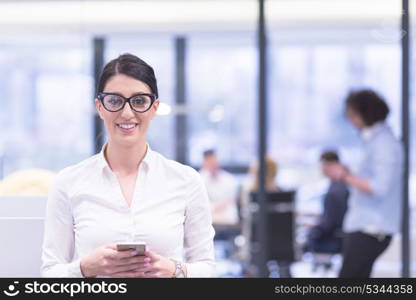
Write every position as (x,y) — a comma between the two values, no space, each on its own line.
(78,170)
(176,168)
(386,139)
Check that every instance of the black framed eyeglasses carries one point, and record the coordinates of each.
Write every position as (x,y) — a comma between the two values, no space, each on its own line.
(139,102)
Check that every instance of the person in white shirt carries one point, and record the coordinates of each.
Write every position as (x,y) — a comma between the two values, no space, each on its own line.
(222,190)
(128,193)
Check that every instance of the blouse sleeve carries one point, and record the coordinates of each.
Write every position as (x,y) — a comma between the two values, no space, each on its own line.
(58,241)
(198,231)
(386,166)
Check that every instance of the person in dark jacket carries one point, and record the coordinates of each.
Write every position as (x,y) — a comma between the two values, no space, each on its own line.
(326,235)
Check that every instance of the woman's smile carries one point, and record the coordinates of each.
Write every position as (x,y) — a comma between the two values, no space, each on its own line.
(127,127)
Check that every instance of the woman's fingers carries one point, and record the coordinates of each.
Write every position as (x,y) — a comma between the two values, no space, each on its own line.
(128,274)
(127,264)
(152,274)
(152,255)
(117,255)
(110,246)
(132,260)
(139,265)
(131,268)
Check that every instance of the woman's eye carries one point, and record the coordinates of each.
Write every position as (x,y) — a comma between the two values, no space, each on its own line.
(139,101)
(114,100)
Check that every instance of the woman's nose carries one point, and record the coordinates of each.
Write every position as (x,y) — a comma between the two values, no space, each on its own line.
(127,111)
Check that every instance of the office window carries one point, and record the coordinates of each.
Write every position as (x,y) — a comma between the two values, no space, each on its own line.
(222,97)
(308,87)
(317,54)
(319,51)
(46,92)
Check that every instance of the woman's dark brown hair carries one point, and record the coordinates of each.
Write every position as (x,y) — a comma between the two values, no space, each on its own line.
(132,66)
(369,105)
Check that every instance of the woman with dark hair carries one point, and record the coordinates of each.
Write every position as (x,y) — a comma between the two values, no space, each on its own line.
(128,193)
(374,206)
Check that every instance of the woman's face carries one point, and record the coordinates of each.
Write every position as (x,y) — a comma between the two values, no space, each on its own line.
(355,118)
(126,86)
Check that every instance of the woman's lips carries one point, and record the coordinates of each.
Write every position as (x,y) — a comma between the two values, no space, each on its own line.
(127,127)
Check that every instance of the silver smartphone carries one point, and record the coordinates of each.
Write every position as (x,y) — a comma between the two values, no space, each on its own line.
(140,247)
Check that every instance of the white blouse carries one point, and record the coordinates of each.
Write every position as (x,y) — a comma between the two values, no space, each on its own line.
(170,211)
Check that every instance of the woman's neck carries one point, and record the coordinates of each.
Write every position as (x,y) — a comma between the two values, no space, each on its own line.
(125,160)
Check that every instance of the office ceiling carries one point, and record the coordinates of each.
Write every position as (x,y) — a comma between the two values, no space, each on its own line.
(101,16)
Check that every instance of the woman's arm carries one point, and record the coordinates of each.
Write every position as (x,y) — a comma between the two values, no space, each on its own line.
(360,183)
(339,172)
(198,230)
(385,165)
(58,241)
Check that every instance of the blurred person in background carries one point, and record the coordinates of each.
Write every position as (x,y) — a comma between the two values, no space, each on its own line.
(251,185)
(222,190)
(326,235)
(128,193)
(374,207)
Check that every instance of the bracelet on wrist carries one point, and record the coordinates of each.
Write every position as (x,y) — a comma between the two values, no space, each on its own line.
(179,270)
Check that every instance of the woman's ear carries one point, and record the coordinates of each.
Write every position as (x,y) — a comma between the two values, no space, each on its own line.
(99,107)
(155,106)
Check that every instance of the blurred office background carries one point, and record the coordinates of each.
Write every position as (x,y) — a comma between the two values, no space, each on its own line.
(317,51)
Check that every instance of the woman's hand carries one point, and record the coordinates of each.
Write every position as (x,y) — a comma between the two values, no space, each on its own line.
(339,172)
(160,266)
(107,261)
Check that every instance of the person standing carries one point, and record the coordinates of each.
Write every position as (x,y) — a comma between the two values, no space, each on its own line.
(374,210)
